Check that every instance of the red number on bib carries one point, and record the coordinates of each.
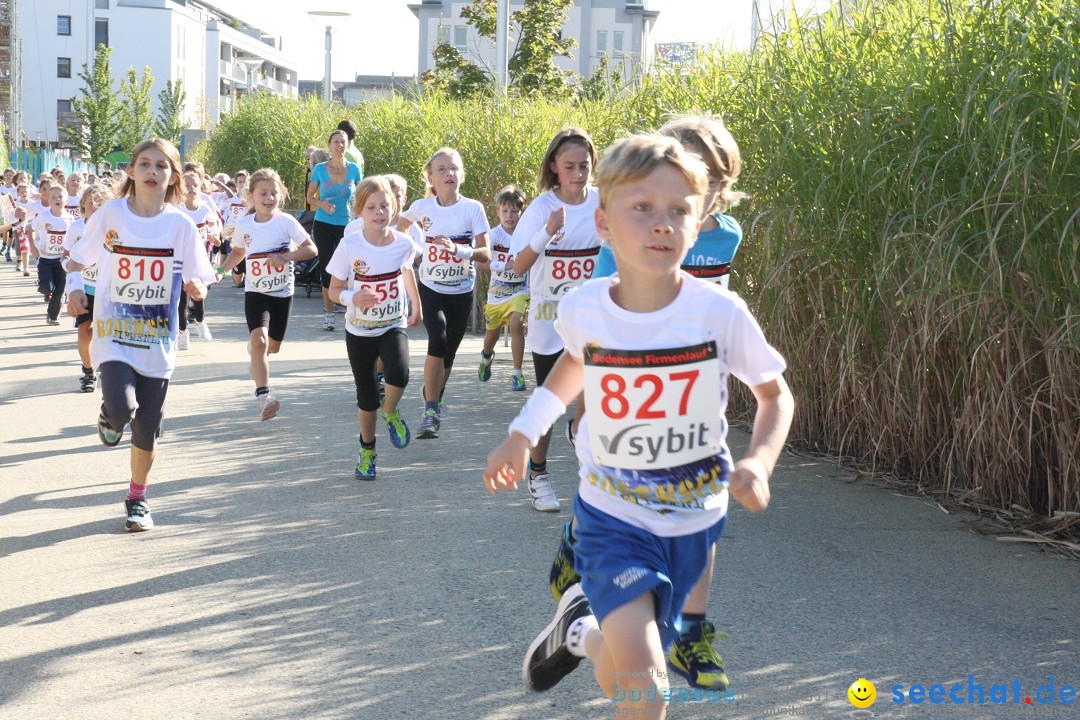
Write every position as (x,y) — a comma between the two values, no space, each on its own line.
(558,269)
(433,253)
(690,376)
(123,268)
(615,393)
(157,270)
(645,412)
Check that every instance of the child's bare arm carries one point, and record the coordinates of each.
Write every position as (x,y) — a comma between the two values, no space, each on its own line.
(749,481)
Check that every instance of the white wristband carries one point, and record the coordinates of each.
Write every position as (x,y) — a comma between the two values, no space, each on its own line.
(539,414)
(463,252)
(346,297)
(540,240)
(75,282)
(498,266)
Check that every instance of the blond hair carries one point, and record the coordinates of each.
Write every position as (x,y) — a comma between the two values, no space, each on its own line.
(634,157)
(368,187)
(266,175)
(95,194)
(707,136)
(172,192)
(448,152)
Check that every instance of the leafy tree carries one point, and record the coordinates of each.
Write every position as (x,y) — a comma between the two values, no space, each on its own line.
(531,66)
(171,101)
(138,120)
(97,110)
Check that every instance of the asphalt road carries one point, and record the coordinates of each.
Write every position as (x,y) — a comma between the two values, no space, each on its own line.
(276,585)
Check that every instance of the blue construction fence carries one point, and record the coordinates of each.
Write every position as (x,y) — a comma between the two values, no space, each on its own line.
(37,161)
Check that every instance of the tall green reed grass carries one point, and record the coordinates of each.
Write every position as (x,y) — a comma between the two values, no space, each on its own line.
(912,243)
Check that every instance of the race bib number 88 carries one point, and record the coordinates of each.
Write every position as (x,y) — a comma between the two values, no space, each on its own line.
(653,409)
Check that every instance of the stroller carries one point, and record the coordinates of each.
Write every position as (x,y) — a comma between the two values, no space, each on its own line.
(306,273)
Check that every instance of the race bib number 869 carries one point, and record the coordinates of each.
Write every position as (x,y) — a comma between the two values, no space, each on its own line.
(653,409)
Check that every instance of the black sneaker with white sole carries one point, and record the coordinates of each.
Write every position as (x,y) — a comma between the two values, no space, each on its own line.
(138,516)
(548,660)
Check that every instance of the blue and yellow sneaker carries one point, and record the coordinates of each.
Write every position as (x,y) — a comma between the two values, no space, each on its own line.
(485,366)
(365,464)
(517,381)
(399,431)
(562,574)
(693,656)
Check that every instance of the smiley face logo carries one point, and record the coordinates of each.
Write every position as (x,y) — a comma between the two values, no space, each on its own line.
(862,693)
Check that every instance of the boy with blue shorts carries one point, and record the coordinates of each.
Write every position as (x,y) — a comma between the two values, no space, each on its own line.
(652,350)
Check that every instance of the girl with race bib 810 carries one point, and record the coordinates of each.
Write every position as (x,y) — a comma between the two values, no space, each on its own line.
(456,233)
(556,243)
(271,241)
(146,249)
(371,275)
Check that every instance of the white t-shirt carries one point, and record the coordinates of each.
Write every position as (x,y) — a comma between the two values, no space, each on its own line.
(380,269)
(74,234)
(206,221)
(280,234)
(652,444)
(461,222)
(49,233)
(71,206)
(142,265)
(567,261)
(28,208)
(231,211)
(506,284)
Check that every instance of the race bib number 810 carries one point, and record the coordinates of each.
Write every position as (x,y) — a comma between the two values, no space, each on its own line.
(141,276)
(653,409)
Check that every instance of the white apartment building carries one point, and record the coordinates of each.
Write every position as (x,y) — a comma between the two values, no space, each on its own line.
(213,52)
(619,29)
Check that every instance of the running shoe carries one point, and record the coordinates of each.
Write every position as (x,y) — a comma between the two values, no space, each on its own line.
(543,495)
(429,426)
(693,656)
(563,574)
(204,330)
(399,431)
(138,516)
(485,366)
(423,401)
(548,660)
(365,464)
(382,390)
(26,273)
(328,321)
(51,321)
(570,433)
(88,383)
(268,406)
(183,340)
(517,381)
(109,437)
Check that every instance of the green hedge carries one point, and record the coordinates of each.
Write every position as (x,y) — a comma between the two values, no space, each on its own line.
(912,242)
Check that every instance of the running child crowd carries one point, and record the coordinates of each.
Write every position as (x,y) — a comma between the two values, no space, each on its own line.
(619,289)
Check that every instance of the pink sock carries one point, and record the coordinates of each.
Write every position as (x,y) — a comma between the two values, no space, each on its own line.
(136,492)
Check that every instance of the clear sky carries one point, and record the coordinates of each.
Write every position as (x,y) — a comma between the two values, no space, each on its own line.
(381,36)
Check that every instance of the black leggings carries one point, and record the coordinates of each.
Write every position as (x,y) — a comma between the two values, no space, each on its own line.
(393,347)
(326,238)
(543,365)
(446,318)
(181,308)
(128,397)
(269,312)
(52,279)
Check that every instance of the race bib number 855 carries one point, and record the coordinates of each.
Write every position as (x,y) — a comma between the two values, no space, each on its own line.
(653,409)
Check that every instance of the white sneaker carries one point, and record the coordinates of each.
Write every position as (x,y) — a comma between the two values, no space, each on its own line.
(268,406)
(183,340)
(328,321)
(204,331)
(543,495)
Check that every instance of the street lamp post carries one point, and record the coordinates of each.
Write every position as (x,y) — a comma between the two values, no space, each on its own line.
(250,65)
(328,17)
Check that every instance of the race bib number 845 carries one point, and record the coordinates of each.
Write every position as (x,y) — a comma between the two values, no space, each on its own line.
(653,409)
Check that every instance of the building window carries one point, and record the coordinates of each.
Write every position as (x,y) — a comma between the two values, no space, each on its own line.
(63,67)
(617,42)
(101,32)
(101,4)
(601,42)
(62,106)
(461,37)
(63,24)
